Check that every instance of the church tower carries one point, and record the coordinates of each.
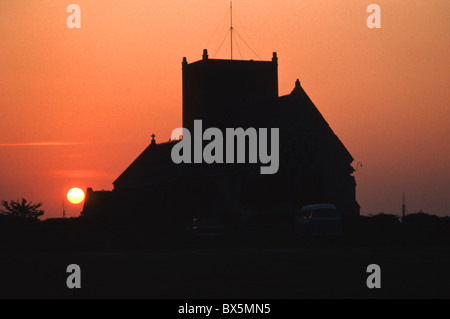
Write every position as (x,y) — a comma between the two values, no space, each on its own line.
(227,93)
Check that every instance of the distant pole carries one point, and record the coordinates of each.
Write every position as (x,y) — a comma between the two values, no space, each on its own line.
(64,205)
(403,207)
(231,27)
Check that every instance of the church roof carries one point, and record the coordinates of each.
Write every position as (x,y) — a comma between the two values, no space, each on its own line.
(154,166)
(293,114)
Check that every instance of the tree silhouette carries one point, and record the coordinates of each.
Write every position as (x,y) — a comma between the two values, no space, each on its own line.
(22,209)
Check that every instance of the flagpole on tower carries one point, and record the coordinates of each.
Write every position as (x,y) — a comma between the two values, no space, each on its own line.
(231,28)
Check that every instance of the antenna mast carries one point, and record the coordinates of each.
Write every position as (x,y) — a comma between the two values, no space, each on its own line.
(231,28)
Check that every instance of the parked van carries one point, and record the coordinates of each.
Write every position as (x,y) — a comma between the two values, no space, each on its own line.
(318,220)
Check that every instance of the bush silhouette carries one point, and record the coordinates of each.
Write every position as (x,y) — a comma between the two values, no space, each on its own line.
(22,209)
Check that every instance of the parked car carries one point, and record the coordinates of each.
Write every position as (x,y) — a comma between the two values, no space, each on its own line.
(318,220)
(206,227)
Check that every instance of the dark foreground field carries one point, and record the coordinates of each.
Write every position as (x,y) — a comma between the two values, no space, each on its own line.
(146,260)
(312,271)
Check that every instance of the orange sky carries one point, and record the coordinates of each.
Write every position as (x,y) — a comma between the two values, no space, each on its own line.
(102,90)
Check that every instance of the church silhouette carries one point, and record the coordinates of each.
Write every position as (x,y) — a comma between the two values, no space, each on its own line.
(314,165)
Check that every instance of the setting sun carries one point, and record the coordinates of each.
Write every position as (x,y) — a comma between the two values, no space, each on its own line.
(75,195)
